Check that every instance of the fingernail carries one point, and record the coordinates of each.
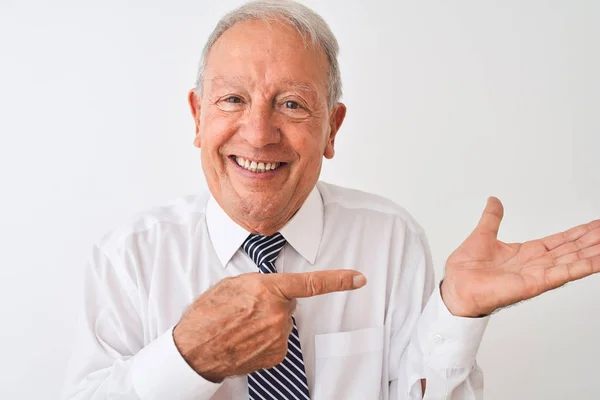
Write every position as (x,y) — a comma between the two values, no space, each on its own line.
(359,281)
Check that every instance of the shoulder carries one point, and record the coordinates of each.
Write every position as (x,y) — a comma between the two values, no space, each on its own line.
(183,213)
(357,203)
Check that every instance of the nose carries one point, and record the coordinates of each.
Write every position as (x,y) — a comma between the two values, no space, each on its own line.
(259,128)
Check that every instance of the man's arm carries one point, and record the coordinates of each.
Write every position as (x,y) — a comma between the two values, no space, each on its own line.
(432,352)
(111,357)
(484,275)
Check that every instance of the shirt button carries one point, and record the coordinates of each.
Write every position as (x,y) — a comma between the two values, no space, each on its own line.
(438,339)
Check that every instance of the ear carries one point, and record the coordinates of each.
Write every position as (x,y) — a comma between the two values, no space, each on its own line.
(194,103)
(335,121)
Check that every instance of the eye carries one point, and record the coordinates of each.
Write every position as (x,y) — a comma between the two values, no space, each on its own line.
(233,100)
(292,105)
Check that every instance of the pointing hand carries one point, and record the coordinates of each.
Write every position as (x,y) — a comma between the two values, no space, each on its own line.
(242,323)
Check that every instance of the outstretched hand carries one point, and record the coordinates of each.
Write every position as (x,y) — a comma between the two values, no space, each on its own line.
(485,274)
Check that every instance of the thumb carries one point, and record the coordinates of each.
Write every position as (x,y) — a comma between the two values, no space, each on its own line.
(491,217)
(307,284)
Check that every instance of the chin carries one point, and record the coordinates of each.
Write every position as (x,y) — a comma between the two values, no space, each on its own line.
(259,207)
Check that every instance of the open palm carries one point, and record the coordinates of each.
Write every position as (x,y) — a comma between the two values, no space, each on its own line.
(485,274)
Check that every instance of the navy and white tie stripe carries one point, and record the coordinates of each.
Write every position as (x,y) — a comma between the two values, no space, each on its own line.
(288,379)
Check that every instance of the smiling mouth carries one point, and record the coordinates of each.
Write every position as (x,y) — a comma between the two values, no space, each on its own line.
(256,166)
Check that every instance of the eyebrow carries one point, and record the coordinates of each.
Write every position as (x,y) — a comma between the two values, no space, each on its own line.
(302,86)
(222,79)
(238,80)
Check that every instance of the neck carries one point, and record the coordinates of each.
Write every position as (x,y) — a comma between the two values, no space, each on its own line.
(265,227)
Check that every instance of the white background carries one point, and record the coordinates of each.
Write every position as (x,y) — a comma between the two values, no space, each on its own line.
(448,103)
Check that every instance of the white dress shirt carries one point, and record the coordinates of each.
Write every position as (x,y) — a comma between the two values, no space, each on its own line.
(376,342)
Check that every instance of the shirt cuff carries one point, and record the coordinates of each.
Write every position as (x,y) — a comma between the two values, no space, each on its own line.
(448,341)
(160,372)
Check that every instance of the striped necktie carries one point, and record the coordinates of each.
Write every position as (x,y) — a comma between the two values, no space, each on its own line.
(286,380)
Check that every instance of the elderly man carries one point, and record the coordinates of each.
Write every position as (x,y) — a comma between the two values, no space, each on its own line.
(249,292)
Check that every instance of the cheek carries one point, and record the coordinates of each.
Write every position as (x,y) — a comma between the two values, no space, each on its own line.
(216,130)
(310,143)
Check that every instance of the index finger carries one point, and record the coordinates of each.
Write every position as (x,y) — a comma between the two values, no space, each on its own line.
(308,284)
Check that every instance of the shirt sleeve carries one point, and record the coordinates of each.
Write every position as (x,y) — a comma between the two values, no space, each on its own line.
(427,341)
(112,358)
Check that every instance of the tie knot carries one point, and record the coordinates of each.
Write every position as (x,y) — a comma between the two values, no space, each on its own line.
(264,250)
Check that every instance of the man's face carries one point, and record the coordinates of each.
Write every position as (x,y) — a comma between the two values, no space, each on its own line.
(265,106)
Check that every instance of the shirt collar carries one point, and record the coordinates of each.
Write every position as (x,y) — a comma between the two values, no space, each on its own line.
(303,231)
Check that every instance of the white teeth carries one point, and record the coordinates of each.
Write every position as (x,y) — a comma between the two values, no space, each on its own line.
(256,167)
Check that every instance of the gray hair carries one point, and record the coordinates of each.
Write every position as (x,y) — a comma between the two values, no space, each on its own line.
(311,26)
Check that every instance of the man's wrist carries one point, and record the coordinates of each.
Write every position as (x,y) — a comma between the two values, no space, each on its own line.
(456,308)
(191,353)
